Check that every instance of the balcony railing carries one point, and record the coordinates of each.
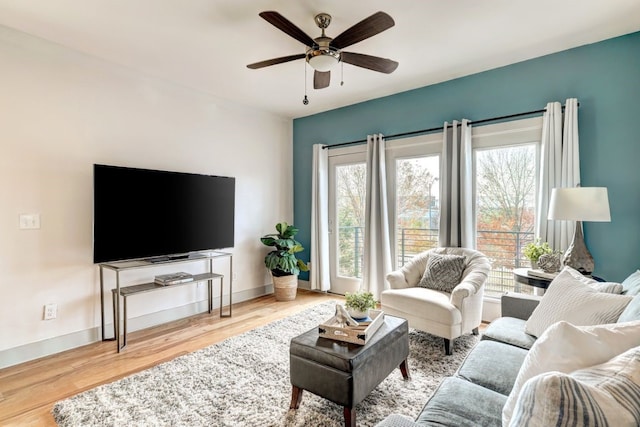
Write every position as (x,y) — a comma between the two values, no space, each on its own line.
(503,248)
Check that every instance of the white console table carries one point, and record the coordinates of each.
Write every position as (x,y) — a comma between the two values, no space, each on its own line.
(123,292)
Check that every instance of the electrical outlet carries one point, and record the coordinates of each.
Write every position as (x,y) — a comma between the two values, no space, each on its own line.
(50,311)
(235,276)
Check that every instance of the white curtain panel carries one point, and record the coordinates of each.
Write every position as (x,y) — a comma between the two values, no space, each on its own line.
(550,176)
(457,222)
(570,171)
(319,273)
(559,167)
(377,243)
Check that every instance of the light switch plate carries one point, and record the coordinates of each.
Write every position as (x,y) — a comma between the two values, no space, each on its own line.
(30,221)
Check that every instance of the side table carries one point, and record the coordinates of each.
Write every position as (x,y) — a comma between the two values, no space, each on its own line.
(521,275)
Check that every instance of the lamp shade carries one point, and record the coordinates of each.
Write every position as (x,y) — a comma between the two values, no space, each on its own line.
(579,204)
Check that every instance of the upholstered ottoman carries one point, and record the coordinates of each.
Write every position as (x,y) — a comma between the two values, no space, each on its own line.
(346,373)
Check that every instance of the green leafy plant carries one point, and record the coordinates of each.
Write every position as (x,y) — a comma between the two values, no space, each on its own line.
(282,261)
(534,250)
(360,301)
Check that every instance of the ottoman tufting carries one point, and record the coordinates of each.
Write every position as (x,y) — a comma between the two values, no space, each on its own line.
(345,373)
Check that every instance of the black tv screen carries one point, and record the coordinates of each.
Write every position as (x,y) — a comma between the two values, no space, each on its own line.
(142,213)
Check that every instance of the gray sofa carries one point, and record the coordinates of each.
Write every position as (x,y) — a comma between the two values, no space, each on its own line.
(477,393)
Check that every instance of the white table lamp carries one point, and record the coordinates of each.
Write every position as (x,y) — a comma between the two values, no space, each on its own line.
(579,204)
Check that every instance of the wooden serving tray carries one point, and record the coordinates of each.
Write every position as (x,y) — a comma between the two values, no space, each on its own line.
(353,334)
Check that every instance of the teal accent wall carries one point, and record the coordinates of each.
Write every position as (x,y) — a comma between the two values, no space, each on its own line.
(604,77)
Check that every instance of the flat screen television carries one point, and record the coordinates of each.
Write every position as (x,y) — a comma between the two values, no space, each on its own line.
(153,214)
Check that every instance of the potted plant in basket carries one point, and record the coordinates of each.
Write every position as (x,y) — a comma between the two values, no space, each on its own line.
(534,250)
(358,304)
(282,261)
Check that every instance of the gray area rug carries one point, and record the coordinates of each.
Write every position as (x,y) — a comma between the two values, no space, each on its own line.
(244,381)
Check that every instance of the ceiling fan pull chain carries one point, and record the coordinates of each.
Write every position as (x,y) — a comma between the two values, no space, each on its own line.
(305,100)
(341,73)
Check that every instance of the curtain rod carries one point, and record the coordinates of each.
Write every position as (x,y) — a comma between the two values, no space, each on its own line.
(423,131)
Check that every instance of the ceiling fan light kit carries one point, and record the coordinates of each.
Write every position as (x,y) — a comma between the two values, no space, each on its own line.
(323,52)
(323,59)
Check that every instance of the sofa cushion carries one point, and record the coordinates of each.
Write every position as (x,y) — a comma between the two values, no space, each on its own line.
(565,348)
(631,285)
(443,272)
(567,298)
(605,394)
(493,365)
(509,330)
(459,403)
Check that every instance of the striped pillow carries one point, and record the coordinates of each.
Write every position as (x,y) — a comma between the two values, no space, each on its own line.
(603,395)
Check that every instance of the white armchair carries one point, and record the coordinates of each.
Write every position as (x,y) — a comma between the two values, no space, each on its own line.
(447,315)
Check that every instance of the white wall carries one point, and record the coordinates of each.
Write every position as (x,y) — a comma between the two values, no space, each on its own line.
(60,112)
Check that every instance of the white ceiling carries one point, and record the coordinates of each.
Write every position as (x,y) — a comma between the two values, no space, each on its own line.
(206,44)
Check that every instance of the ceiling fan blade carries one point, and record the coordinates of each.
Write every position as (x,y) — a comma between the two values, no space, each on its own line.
(283,24)
(375,63)
(368,27)
(321,79)
(275,61)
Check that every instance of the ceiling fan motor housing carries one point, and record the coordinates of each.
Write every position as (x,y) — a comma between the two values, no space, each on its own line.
(322,57)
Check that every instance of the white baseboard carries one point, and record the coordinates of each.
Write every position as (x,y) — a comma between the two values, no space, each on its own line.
(36,350)
(304,284)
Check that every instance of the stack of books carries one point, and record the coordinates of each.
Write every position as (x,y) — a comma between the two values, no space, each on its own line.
(173,278)
(542,274)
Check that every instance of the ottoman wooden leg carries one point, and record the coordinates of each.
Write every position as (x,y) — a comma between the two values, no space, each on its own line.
(404,368)
(296,397)
(349,417)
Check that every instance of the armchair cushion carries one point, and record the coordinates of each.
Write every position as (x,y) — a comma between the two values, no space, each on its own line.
(443,272)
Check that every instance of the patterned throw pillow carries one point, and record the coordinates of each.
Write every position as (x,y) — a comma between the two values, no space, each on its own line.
(602,395)
(571,300)
(443,272)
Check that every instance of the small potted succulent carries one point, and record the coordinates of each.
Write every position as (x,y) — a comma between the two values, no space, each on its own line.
(282,261)
(359,303)
(534,250)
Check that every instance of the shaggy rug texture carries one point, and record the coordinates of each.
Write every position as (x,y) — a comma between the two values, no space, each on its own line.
(244,381)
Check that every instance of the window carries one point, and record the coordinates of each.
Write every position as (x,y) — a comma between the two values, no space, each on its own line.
(413,174)
(505,171)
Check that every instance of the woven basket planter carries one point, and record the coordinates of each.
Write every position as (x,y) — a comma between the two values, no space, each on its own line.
(285,287)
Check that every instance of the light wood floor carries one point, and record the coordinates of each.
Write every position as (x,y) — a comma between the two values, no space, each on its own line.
(29,390)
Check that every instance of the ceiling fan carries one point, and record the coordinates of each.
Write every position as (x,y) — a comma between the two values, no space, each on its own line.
(324,52)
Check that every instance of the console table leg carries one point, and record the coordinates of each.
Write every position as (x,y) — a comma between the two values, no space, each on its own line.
(349,417)
(296,397)
(124,328)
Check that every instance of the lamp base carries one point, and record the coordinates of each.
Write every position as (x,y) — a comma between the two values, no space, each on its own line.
(577,255)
